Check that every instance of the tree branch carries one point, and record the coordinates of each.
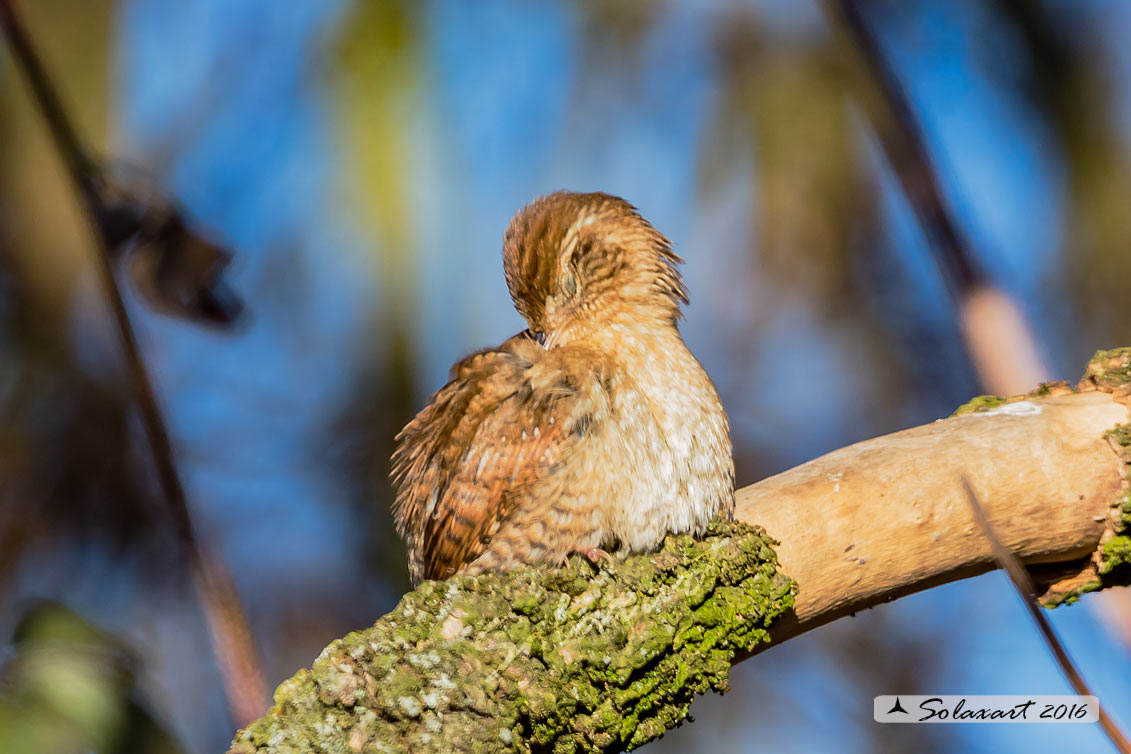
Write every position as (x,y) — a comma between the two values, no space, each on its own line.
(888,517)
(564,660)
(537,659)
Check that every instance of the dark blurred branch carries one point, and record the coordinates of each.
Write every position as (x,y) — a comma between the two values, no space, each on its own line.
(177,270)
(232,639)
(906,150)
(1025,587)
(996,335)
(81,168)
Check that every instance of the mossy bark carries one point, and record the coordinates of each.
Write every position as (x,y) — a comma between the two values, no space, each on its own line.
(1110,372)
(561,660)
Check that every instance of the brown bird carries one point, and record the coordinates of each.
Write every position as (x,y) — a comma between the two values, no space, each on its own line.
(595,428)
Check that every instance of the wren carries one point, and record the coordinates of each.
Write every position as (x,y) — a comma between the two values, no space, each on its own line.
(593,429)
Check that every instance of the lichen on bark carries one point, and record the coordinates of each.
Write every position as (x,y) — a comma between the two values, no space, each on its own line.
(978,403)
(983,403)
(1114,565)
(1110,371)
(556,660)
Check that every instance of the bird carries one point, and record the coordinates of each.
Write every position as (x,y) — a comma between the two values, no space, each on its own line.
(594,429)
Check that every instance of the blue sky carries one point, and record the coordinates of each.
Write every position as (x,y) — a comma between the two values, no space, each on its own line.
(227,102)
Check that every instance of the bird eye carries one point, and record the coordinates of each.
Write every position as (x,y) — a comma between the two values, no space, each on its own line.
(568,284)
(540,337)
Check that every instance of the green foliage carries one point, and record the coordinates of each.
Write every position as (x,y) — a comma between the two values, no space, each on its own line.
(377,82)
(68,687)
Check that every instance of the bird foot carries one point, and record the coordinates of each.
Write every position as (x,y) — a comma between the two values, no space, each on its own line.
(595,555)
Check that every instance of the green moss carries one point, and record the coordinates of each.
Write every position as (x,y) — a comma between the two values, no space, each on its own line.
(1110,369)
(1113,565)
(1120,438)
(570,659)
(986,402)
(979,403)
(1116,554)
(1073,596)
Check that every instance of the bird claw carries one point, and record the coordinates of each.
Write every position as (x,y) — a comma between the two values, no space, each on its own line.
(595,555)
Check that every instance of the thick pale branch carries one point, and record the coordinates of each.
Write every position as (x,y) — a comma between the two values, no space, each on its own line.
(886,517)
(568,660)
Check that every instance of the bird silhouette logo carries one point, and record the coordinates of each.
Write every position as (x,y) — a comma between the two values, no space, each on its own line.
(897,707)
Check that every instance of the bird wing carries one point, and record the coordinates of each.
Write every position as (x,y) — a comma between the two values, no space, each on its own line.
(487,439)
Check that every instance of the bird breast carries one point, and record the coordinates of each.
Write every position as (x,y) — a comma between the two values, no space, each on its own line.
(669,442)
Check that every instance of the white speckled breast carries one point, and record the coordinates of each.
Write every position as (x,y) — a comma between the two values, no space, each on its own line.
(679,475)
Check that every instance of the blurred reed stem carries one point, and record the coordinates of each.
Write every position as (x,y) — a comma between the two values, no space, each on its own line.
(993,328)
(232,640)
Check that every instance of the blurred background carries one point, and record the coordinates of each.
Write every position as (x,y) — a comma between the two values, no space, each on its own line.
(361,161)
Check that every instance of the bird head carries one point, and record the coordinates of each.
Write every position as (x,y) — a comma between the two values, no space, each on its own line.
(576,264)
